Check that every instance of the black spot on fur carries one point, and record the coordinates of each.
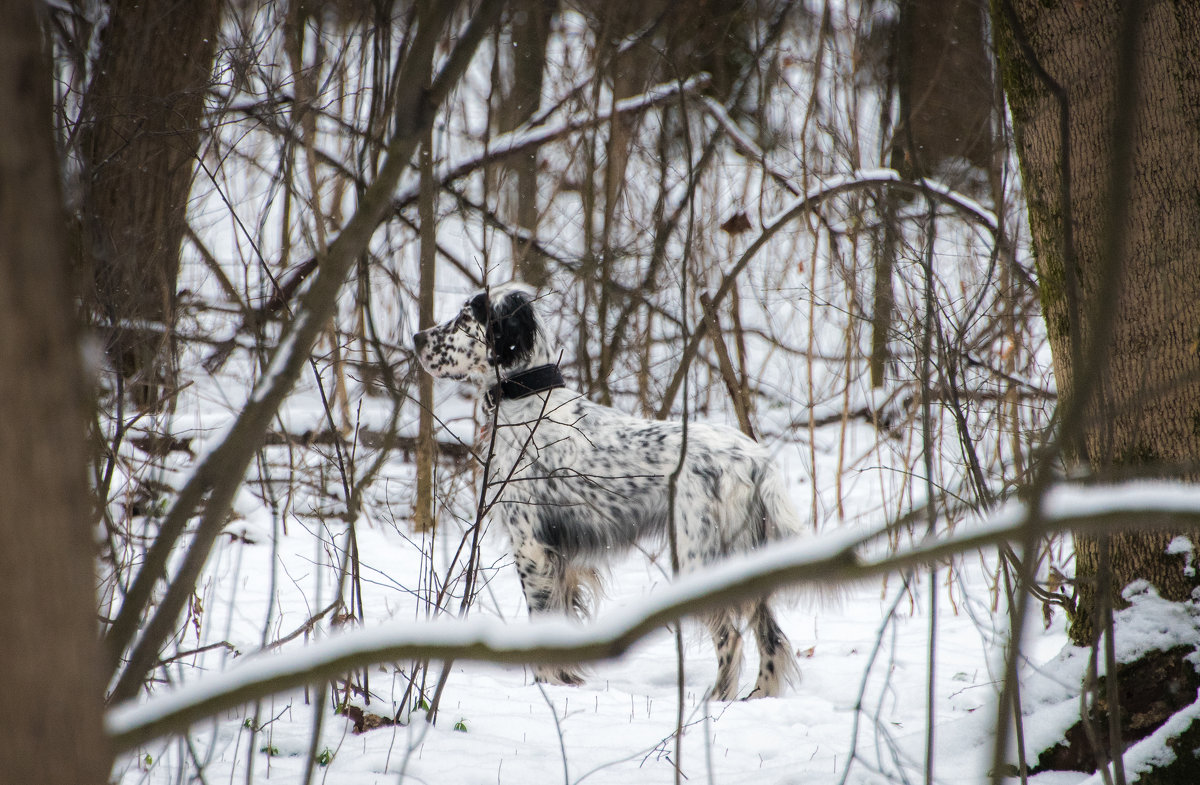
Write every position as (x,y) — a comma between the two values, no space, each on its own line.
(539,600)
(709,475)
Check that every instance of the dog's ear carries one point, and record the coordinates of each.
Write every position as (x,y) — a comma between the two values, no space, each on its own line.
(513,328)
(479,308)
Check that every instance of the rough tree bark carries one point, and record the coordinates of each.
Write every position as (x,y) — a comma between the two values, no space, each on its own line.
(1143,414)
(49,654)
(140,134)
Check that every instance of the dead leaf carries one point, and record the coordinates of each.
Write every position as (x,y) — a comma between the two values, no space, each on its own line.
(736,225)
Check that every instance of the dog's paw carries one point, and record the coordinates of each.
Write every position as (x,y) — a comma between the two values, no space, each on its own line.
(548,674)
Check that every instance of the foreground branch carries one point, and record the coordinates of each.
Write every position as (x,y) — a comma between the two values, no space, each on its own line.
(808,562)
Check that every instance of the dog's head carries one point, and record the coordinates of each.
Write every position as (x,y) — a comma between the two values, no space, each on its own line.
(496,333)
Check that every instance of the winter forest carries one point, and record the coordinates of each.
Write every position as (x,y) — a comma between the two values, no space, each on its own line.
(939,259)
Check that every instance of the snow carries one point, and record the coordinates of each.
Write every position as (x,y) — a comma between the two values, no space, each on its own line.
(1153,751)
(532,136)
(618,726)
(618,722)
(1182,546)
(1151,623)
(862,177)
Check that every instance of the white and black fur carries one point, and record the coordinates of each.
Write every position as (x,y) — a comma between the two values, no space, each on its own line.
(582,481)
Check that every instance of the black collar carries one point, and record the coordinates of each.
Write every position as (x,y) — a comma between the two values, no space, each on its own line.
(525,383)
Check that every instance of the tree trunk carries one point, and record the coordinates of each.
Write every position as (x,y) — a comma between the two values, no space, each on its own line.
(1141,407)
(141,131)
(49,654)
(883,293)
(1145,413)
(944,80)
(530,28)
(940,68)
(423,519)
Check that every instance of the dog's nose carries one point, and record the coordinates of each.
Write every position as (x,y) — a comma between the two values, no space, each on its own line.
(419,341)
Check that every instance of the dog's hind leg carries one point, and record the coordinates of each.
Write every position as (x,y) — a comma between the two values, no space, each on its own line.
(728,643)
(776,661)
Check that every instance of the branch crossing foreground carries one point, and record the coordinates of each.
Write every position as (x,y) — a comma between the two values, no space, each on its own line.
(813,564)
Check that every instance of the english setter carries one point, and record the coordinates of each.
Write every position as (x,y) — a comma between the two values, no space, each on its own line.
(582,481)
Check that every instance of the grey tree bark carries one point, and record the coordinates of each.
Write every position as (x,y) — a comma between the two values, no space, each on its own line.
(49,653)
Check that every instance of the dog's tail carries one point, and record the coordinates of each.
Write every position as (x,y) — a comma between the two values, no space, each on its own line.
(778,520)
(778,516)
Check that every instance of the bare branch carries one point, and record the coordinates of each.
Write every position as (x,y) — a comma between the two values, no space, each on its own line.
(809,562)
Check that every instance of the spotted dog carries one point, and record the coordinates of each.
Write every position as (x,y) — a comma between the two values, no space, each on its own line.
(581,481)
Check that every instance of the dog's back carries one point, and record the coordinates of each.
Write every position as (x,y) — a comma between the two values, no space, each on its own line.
(597,480)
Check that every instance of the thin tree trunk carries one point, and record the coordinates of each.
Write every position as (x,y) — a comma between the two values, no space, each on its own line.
(423,519)
(49,654)
(530,27)
(883,295)
(944,76)
(141,131)
(940,68)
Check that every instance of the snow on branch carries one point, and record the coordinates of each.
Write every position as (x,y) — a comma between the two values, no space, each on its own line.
(812,562)
(861,178)
(831,187)
(970,209)
(533,136)
(840,184)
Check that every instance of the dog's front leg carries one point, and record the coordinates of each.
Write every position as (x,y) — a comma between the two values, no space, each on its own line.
(547,584)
